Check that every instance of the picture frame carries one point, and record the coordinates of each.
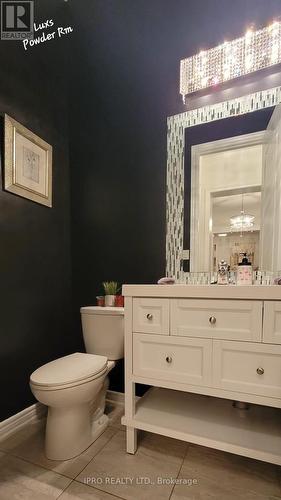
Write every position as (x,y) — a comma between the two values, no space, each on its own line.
(27,163)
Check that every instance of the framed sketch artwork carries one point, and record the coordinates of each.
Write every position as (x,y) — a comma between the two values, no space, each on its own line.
(28,163)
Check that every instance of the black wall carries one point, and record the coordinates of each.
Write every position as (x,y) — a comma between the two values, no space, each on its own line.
(35,266)
(125,86)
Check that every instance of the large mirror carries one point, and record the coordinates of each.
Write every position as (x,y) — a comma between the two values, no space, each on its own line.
(230,193)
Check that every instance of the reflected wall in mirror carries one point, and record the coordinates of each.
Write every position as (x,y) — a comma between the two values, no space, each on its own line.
(226,180)
(230,241)
(224,184)
(235,193)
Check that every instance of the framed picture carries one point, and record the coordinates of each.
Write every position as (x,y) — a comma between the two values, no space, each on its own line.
(27,163)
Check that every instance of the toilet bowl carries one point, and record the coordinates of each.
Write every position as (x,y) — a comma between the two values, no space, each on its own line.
(67,386)
(74,386)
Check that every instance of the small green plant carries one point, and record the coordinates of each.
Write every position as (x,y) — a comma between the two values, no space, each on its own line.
(110,287)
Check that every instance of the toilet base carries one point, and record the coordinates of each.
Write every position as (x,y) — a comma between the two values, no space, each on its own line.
(75,435)
(71,430)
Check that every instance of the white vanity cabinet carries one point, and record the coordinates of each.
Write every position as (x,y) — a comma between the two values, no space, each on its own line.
(221,319)
(272,322)
(200,348)
(151,316)
(248,368)
(173,359)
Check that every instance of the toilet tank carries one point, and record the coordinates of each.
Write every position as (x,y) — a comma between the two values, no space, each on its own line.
(103,331)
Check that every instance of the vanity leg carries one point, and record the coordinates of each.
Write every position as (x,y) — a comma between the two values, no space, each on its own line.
(131,432)
(131,435)
(130,394)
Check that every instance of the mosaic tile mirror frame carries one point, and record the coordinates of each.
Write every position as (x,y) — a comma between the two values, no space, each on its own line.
(175,160)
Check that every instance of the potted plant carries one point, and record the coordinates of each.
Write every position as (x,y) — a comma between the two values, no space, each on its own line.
(110,290)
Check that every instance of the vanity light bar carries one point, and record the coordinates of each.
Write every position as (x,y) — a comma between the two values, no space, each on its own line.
(256,50)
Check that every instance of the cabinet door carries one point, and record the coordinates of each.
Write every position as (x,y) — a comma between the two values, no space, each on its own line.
(151,316)
(169,358)
(219,319)
(247,367)
(272,322)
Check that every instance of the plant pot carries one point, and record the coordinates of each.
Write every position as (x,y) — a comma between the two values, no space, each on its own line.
(100,301)
(119,301)
(109,300)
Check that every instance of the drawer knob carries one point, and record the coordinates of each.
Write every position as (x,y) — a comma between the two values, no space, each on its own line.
(169,359)
(149,316)
(212,320)
(260,370)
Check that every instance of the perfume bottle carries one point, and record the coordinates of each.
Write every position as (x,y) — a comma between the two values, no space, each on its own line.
(223,273)
(244,272)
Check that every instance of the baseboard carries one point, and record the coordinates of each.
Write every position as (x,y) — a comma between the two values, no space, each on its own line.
(37,413)
(32,414)
(115,397)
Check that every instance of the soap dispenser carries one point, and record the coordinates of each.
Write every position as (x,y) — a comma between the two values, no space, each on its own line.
(244,271)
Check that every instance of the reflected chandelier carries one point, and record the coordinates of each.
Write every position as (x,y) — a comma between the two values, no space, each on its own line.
(242,221)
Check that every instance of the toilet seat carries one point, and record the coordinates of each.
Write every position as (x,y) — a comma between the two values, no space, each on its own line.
(69,371)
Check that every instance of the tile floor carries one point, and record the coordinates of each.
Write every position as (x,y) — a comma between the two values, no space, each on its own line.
(106,472)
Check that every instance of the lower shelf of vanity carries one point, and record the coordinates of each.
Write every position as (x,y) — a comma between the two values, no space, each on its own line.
(211,422)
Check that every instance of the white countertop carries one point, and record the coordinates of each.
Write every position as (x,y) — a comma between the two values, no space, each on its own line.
(206,291)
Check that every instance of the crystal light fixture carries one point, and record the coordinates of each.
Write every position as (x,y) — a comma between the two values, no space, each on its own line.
(242,221)
(254,51)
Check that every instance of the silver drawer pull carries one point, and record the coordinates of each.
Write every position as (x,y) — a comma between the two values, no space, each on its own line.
(169,359)
(212,320)
(260,370)
(149,316)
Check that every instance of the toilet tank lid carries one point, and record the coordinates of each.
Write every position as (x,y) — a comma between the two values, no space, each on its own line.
(107,311)
(72,368)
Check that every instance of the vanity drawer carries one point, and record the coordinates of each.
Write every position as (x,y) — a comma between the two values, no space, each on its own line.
(168,358)
(272,322)
(151,316)
(219,319)
(247,367)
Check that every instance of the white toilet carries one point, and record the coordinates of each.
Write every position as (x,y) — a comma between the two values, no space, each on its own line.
(74,387)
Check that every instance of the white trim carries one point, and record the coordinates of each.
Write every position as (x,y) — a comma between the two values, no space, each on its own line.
(115,397)
(37,413)
(235,142)
(32,414)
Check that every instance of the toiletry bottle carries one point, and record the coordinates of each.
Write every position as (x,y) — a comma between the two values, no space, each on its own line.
(223,273)
(244,272)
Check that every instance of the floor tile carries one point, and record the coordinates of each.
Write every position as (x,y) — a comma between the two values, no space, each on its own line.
(220,476)
(114,413)
(78,491)
(29,444)
(160,447)
(25,481)
(138,476)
